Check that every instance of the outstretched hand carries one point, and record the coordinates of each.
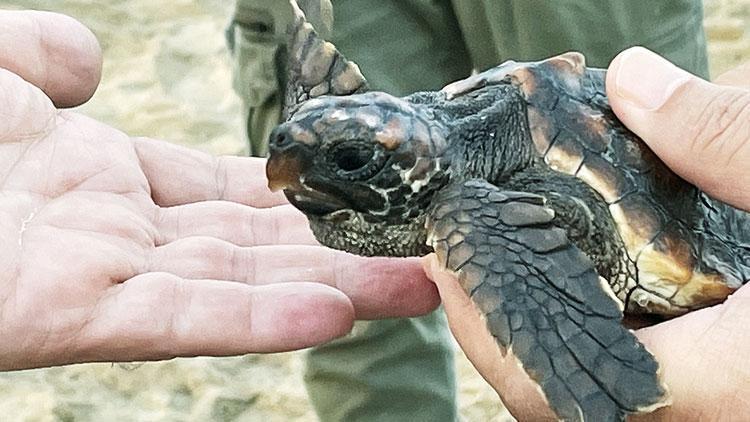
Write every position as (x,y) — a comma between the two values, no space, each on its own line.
(702,131)
(119,249)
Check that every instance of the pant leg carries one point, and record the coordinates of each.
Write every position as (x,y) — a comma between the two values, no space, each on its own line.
(254,38)
(535,29)
(402,46)
(391,370)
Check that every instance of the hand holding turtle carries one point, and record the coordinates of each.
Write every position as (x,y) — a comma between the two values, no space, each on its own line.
(702,131)
(119,249)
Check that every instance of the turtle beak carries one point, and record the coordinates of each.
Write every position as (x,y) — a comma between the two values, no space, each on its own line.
(288,160)
(283,171)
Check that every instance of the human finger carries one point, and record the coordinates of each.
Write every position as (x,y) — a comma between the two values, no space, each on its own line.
(180,175)
(702,359)
(738,77)
(700,355)
(239,224)
(53,52)
(701,130)
(157,316)
(27,113)
(378,287)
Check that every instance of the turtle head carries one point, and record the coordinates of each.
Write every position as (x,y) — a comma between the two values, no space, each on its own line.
(363,168)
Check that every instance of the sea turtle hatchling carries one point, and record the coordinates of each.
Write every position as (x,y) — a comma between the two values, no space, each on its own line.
(554,216)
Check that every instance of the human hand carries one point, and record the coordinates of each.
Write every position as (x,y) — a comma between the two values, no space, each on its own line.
(702,131)
(52,52)
(120,249)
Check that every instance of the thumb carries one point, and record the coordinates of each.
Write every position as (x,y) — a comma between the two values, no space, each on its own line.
(53,52)
(699,129)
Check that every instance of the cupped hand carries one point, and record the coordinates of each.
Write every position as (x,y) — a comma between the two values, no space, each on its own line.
(702,131)
(119,249)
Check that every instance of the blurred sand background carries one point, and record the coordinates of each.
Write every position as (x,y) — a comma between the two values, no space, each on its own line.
(166,75)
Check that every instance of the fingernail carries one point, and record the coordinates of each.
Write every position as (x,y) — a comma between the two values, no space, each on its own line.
(647,80)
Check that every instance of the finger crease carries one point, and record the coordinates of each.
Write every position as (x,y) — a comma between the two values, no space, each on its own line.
(221,178)
(338,269)
(248,262)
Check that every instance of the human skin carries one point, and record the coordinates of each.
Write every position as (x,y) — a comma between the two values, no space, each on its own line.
(118,249)
(37,46)
(702,131)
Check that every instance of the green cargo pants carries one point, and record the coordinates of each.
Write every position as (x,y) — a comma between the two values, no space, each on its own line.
(402,370)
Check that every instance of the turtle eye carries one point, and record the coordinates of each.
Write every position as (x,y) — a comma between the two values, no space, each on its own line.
(352,157)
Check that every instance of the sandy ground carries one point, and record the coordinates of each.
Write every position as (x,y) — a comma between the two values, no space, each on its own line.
(167,76)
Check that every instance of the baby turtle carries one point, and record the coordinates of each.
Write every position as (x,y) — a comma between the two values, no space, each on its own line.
(554,216)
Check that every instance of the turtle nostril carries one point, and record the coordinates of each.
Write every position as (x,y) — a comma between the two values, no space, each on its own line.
(282,139)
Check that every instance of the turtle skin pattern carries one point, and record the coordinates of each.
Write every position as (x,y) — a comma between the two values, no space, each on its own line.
(542,298)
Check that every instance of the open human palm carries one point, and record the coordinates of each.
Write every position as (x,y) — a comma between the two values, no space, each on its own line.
(117,248)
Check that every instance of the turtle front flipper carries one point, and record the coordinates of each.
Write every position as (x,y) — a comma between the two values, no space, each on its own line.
(316,67)
(543,301)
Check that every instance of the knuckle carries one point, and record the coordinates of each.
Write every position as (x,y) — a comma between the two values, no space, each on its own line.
(206,249)
(243,263)
(221,176)
(178,321)
(249,226)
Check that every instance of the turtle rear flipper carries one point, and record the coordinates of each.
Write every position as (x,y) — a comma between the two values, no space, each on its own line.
(316,67)
(543,301)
